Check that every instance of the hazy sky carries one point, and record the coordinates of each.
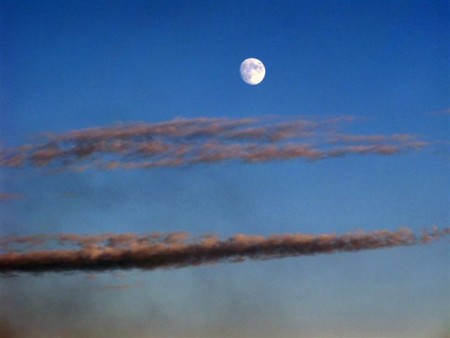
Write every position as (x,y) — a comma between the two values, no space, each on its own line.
(378,69)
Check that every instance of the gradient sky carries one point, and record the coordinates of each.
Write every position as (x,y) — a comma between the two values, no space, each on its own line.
(71,65)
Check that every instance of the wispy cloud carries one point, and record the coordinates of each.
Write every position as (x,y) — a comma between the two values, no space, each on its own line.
(176,250)
(4,197)
(441,112)
(203,140)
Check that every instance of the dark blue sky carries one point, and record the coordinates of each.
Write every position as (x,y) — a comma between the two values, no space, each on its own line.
(69,65)
(90,63)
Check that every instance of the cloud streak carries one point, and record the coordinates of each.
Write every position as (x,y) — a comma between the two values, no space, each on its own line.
(4,197)
(148,252)
(182,142)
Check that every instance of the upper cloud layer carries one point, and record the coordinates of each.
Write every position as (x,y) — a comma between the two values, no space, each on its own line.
(202,140)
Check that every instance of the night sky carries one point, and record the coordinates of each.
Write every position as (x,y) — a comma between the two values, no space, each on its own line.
(369,79)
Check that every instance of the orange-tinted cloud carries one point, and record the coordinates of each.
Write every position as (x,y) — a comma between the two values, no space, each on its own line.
(182,142)
(129,251)
(8,197)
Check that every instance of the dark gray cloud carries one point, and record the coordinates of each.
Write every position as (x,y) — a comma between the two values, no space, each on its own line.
(175,250)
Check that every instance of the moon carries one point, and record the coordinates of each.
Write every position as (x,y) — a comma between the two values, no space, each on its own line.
(252,71)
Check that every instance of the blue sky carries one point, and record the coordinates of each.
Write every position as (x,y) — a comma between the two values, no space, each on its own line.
(71,65)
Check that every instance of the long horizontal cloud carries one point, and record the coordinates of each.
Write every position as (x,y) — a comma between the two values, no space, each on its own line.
(202,140)
(148,252)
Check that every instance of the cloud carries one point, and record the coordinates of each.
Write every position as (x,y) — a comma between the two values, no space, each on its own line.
(441,112)
(4,197)
(130,251)
(182,142)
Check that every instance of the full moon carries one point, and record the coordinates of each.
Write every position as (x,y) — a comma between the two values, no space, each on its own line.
(252,71)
